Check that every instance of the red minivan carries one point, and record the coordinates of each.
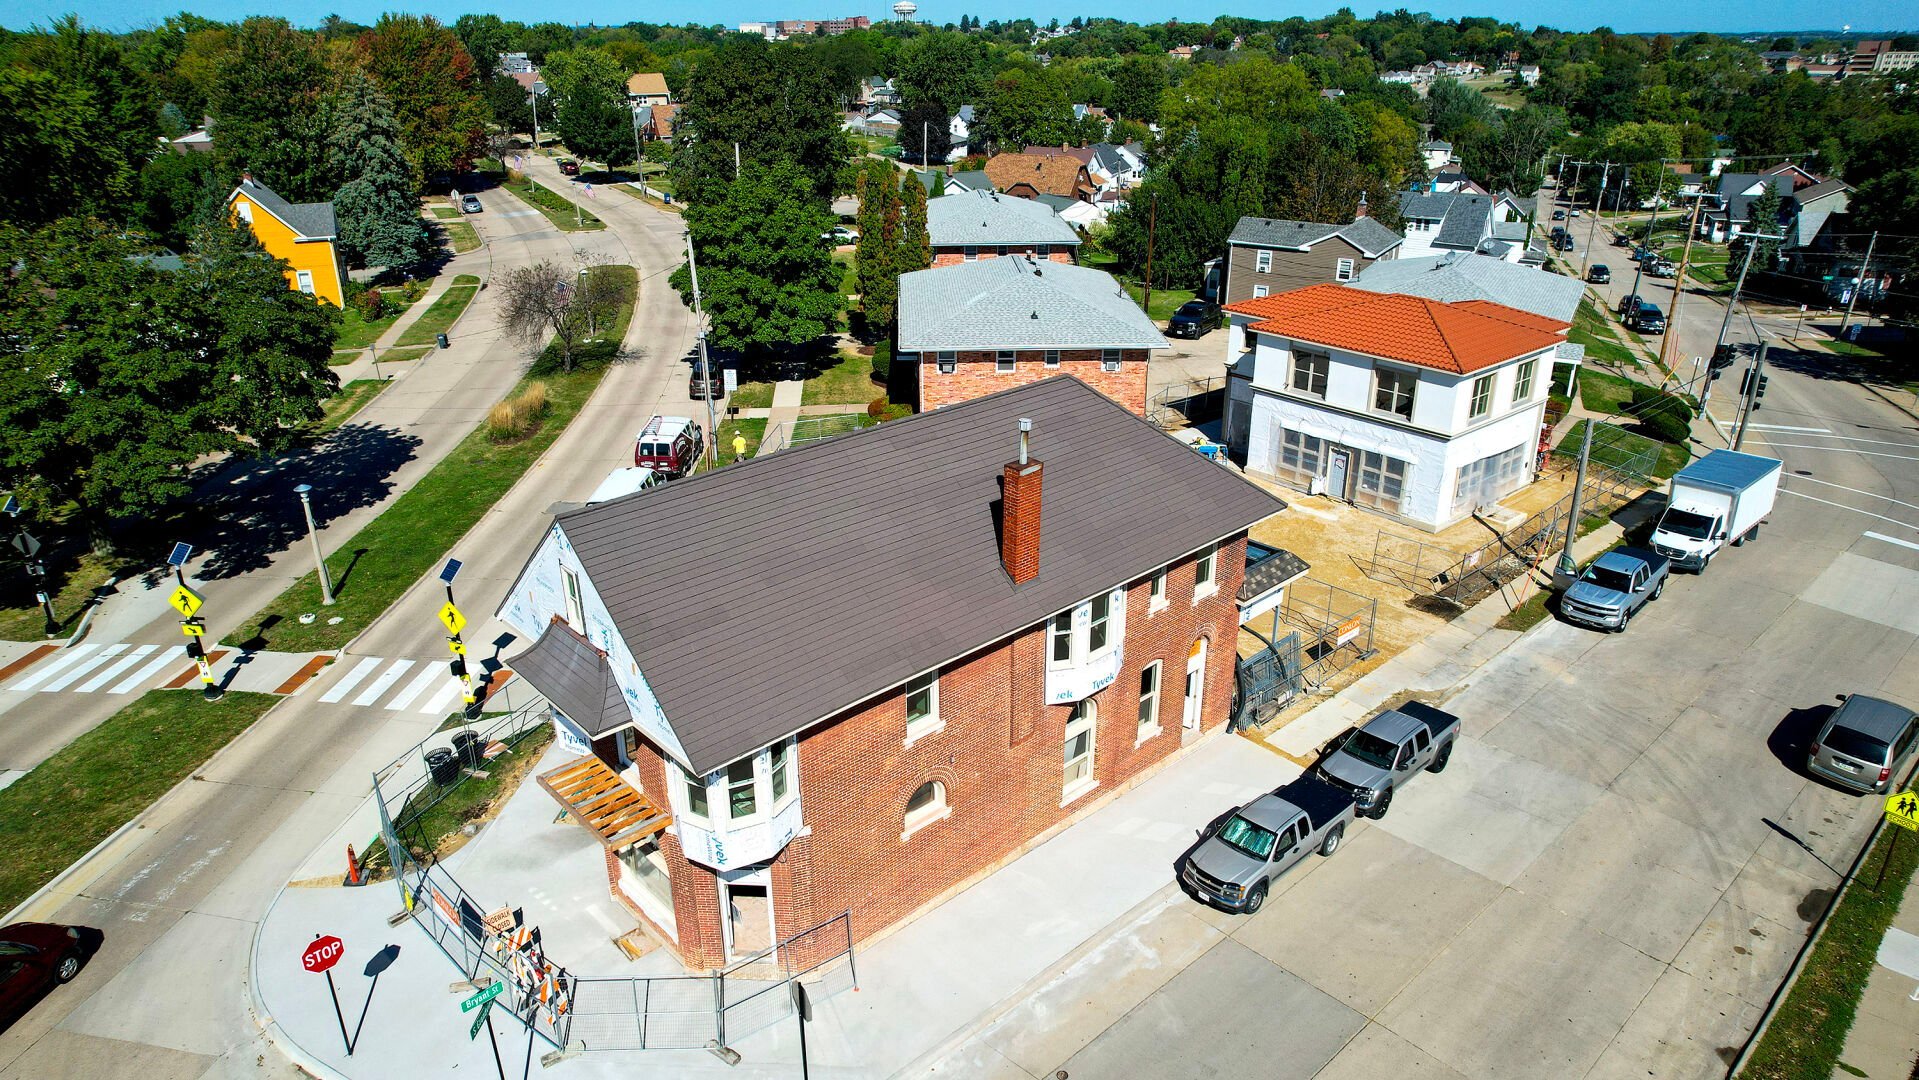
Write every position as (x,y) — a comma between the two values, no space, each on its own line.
(669,444)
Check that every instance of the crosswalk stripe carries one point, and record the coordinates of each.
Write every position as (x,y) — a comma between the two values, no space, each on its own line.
(442,702)
(380,685)
(351,679)
(78,671)
(416,687)
(148,670)
(119,666)
(47,671)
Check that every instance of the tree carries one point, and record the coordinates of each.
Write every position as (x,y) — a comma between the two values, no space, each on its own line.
(118,377)
(1138,84)
(927,120)
(80,119)
(592,116)
(484,37)
(428,76)
(944,68)
(378,211)
(511,105)
(1762,219)
(916,244)
(547,298)
(178,194)
(270,100)
(775,102)
(1026,107)
(875,257)
(767,280)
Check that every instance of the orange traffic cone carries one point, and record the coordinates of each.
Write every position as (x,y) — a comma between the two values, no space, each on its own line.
(353,875)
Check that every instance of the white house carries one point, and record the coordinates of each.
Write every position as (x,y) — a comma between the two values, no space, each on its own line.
(1439,221)
(1420,409)
(1438,153)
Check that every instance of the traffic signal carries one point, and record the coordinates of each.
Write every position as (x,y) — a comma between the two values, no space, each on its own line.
(1722,357)
(194,651)
(1756,391)
(458,667)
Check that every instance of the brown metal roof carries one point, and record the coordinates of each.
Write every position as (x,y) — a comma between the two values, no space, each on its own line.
(575,677)
(769,595)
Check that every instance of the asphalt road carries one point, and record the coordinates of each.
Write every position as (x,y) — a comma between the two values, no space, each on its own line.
(1609,879)
(179,898)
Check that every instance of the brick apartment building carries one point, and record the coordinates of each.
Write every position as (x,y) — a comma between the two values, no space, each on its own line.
(968,226)
(976,328)
(868,671)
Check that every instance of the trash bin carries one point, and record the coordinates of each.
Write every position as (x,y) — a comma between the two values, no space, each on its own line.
(468,746)
(442,340)
(442,765)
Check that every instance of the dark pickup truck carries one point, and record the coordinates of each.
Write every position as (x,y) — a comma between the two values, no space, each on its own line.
(1240,857)
(1389,750)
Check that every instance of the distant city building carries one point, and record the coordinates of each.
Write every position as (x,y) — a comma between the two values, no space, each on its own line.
(783,29)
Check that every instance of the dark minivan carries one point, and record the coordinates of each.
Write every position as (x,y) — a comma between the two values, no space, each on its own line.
(1647,319)
(1864,744)
(1600,274)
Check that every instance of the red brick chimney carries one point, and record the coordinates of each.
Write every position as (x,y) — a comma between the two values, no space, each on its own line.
(1361,210)
(1019,513)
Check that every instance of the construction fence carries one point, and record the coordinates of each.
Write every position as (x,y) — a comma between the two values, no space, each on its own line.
(561,1007)
(1318,631)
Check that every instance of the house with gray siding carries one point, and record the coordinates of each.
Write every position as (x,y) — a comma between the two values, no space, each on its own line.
(1269,256)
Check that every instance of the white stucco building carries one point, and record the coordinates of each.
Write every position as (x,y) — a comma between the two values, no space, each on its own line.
(1418,408)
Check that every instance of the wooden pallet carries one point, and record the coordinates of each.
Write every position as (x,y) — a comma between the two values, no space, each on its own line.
(609,807)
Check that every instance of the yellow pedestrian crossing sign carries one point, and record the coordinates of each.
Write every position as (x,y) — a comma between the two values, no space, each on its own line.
(185,601)
(451,616)
(1902,809)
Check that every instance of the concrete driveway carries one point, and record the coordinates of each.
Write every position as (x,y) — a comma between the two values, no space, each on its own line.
(1609,880)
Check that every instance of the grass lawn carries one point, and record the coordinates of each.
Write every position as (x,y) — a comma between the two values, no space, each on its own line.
(74,578)
(344,357)
(395,356)
(1165,301)
(1603,392)
(1809,1030)
(357,333)
(468,799)
(438,319)
(849,274)
(462,236)
(850,382)
(814,428)
(55,814)
(1602,342)
(1528,614)
(754,428)
(385,558)
(1672,458)
(445,213)
(352,397)
(566,215)
(752,395)
(1847,348)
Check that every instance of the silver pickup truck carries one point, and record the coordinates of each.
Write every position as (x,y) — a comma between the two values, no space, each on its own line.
(1389,750)
(1239,858)
(1613,589)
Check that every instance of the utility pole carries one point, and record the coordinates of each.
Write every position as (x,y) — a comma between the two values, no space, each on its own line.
(706,371)
(1152,219)
(1678,287)
(1578,166)
(534,100)
(1567,567)
(1752,245)
(1859,285)
(926,155)
(636,150)
(1592,227)
(736,161)
(1754,373)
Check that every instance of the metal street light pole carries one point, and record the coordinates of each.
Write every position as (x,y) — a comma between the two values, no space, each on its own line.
(304,491)
(711,442)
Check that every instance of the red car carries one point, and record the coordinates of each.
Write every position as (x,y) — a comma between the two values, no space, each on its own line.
(34,957)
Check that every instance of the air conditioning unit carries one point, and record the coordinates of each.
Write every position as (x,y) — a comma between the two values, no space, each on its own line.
(1316,486)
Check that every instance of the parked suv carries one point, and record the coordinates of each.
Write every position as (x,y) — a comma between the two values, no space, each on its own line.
(569,167)
(670,444)
(1646,319)
(1599,274)
(1864,745)
(1194,318)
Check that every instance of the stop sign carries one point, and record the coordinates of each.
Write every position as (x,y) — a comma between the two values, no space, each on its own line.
(323,953)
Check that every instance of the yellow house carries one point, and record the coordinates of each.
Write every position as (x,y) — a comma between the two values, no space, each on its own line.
(303,234)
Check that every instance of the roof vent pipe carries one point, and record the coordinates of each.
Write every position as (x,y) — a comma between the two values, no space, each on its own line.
(1025,430)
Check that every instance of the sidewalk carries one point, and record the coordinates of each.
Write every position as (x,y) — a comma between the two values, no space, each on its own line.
(779,419)
(1884,1041)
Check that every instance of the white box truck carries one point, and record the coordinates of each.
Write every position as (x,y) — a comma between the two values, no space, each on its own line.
(1717,498)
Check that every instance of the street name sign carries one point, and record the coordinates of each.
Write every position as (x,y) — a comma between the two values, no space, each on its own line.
(479,1021)
(323,953)
(482,997)
(1902,809)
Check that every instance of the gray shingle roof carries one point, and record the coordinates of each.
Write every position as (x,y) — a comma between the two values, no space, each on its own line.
(987,218)
(764,597)
(1366,234)
(1462,215)
(1270,572)
(310,220)
(969,180)
(1018,303)
(1458,275)
(575,677)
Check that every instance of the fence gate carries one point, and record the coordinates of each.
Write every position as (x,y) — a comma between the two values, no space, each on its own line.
(1267,681)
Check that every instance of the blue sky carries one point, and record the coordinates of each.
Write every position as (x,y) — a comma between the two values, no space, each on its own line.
(1623,15)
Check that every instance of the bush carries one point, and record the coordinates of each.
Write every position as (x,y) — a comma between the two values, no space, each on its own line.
(413,290)
(371,305)
(880,410)
(518,416)
(882,361)
(1665,416)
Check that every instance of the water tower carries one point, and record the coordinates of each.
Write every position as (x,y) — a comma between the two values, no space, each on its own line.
(903,11)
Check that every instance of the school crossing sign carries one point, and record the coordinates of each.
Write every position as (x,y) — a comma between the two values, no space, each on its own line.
(1902,809)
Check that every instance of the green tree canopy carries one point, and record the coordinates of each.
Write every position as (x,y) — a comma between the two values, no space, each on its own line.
(775,102)
(1026,106)
(81,118)
(591,114)
(428,75)
(271,100)
(377,208)
(769,283)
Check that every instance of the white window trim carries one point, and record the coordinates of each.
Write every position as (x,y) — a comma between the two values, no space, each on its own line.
(1156,592)
(1005,362)
(1262,262)
(1153,729)
(1072,791)
(1109,360)
(574,597)
(1210,587)
(933,723)
(762,790)
(910,824)
(1526,378)
(687,781)
(304,280)
(1343,270)
(946,361)
(1412,402)
(1260,292)
(1473,409)
(1052,358)
(969,253)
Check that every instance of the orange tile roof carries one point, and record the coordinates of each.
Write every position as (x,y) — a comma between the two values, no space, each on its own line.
(1459,337)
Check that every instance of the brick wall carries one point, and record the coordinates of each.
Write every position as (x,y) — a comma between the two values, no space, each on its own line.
(998,755)
(953,256)
(978,376)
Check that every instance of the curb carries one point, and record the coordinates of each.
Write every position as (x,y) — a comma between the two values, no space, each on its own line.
(270,1028)
(1882,396)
